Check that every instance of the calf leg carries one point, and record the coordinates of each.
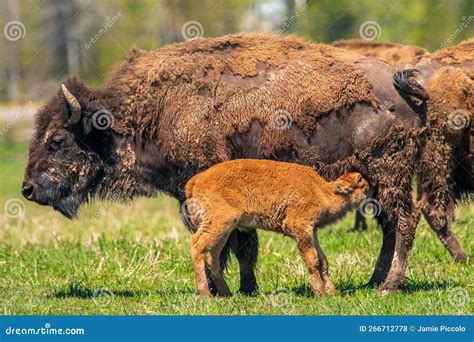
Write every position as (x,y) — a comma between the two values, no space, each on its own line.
(185,217)
(213,262)
(198,246)
(303,235)
(206,245)
(323,266)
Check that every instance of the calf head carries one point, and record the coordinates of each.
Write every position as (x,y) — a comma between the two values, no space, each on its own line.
(354,187)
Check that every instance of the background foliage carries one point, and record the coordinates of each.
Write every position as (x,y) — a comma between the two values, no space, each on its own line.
(56,31)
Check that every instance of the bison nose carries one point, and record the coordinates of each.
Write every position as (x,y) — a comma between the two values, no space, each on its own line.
(27,190)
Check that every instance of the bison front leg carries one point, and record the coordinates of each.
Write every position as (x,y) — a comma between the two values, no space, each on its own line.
(399,221)
(360,222)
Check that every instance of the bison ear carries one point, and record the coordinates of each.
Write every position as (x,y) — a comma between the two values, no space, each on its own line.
(342,189)
(74,106)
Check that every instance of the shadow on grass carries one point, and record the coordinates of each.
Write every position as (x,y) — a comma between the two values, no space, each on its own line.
(410,287)
(86,293)
(77,290)
(350,288)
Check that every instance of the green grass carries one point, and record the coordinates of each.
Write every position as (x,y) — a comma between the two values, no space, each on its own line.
(134,259)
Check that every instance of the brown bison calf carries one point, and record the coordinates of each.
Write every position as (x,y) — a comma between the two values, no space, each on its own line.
(246,194)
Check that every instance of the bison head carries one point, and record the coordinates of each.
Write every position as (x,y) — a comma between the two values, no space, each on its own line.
(69,149)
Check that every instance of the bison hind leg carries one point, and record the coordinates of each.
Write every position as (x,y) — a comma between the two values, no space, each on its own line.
(244,244)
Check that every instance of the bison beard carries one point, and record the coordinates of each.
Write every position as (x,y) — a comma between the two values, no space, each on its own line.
(187,106)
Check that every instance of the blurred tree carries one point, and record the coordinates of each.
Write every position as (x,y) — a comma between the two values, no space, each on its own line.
(12,70)
(60,36)
(84,37)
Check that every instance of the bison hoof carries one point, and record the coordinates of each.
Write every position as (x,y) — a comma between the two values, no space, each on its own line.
(249,290)
(460,257)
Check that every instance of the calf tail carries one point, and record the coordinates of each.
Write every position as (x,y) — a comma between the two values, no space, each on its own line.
(186,218)
(407,85)
(184,212)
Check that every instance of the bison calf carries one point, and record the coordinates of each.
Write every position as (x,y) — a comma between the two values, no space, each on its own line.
(247,194)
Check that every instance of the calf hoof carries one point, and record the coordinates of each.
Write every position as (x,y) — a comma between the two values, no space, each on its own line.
(203,294)
(203,291)
(330,289)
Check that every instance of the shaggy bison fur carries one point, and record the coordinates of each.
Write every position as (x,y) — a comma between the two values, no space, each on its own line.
(165,115)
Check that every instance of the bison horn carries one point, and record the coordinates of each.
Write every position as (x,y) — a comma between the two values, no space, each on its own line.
(73,104)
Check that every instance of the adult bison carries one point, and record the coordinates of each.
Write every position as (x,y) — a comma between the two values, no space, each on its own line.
(445,171)
(162,116)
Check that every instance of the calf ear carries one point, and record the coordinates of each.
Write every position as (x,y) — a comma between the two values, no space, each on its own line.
(342,189)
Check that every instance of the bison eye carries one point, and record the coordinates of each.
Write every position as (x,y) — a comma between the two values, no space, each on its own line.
(55,143)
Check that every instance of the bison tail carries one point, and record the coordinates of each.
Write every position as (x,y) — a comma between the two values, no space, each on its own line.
(407,85)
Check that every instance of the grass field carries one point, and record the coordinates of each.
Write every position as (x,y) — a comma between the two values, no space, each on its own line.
(134,259)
